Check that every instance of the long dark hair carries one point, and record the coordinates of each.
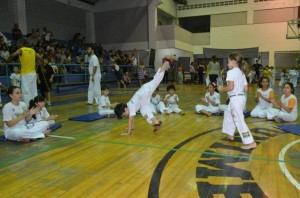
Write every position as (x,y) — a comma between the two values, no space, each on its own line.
(32,103)
(291,86)
(261,79)
(214,86)
(10,90)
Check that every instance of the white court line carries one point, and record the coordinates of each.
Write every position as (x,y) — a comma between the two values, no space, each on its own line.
(283,167)
(64,137)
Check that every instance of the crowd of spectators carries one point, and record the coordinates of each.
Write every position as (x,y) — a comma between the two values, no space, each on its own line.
(62,52)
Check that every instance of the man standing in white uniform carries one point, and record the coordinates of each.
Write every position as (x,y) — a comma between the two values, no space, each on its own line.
(94,90)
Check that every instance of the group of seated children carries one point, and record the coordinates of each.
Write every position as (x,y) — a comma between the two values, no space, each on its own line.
(267,106)
(22,123)
(285,109)
(169,105)
(272,109)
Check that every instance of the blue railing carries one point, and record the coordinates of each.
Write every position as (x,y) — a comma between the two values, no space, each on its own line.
(77,73)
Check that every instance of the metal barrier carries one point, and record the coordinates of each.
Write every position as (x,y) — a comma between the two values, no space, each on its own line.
(77,74)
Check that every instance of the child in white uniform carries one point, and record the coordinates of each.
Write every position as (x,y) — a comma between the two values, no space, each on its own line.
(251,76)
(287,109)
(263,96)
(141,101)
(233,115)
(211,101)
(157,105)
(104,103)
(284,76)
(42,114)
(293,73)
(15,77)
(171,100)
(16,117)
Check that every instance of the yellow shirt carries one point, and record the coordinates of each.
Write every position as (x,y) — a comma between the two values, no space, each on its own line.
(267,73)
(27,60)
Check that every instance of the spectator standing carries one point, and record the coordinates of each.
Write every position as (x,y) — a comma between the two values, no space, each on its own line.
(94,90)
(16,32)
(214,69)
(257,67)
(192,72)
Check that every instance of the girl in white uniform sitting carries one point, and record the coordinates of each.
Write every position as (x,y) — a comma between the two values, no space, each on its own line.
(211,101)
(263,96)
(286,109)
(171,100)
(42,114)
(16,117)
(104,103)
(157,104)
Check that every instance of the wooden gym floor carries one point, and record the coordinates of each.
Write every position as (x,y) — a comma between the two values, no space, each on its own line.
(187,157)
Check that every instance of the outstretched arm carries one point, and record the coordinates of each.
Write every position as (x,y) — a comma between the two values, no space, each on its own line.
(13,55)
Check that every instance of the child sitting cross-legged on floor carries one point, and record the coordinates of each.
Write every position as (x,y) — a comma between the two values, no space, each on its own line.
(42,114)
(211,101)
(104,103)
(171,100)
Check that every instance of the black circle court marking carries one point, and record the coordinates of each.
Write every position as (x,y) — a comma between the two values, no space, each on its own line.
(155,180)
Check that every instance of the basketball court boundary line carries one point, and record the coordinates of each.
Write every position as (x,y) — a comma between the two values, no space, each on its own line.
(83,138)
(181,150)
(283,166)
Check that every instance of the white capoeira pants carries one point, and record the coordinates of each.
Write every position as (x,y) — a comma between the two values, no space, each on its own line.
(158,108)
(173,108)
(144,95)
(94,90)
(28,131)
(272,112)
(28,87)
(106,111)
(198,108)
(259,111)
(234,118)
(294,80)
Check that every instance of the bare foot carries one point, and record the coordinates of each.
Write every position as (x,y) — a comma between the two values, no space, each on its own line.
(230,137)
(208,114)
(25,140)
(156,125)
(249,146)
(47,133)
(182,113)
(125,134)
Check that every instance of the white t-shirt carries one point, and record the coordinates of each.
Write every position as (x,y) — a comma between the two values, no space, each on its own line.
(267,94)
(135,102)
(117,67)
(155,99)
(42,114)
(239,79)
(215,98)
(134,61)
(286,101)
(10,111)
(16,79)
(94,62)
(172,99)
(104,101)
